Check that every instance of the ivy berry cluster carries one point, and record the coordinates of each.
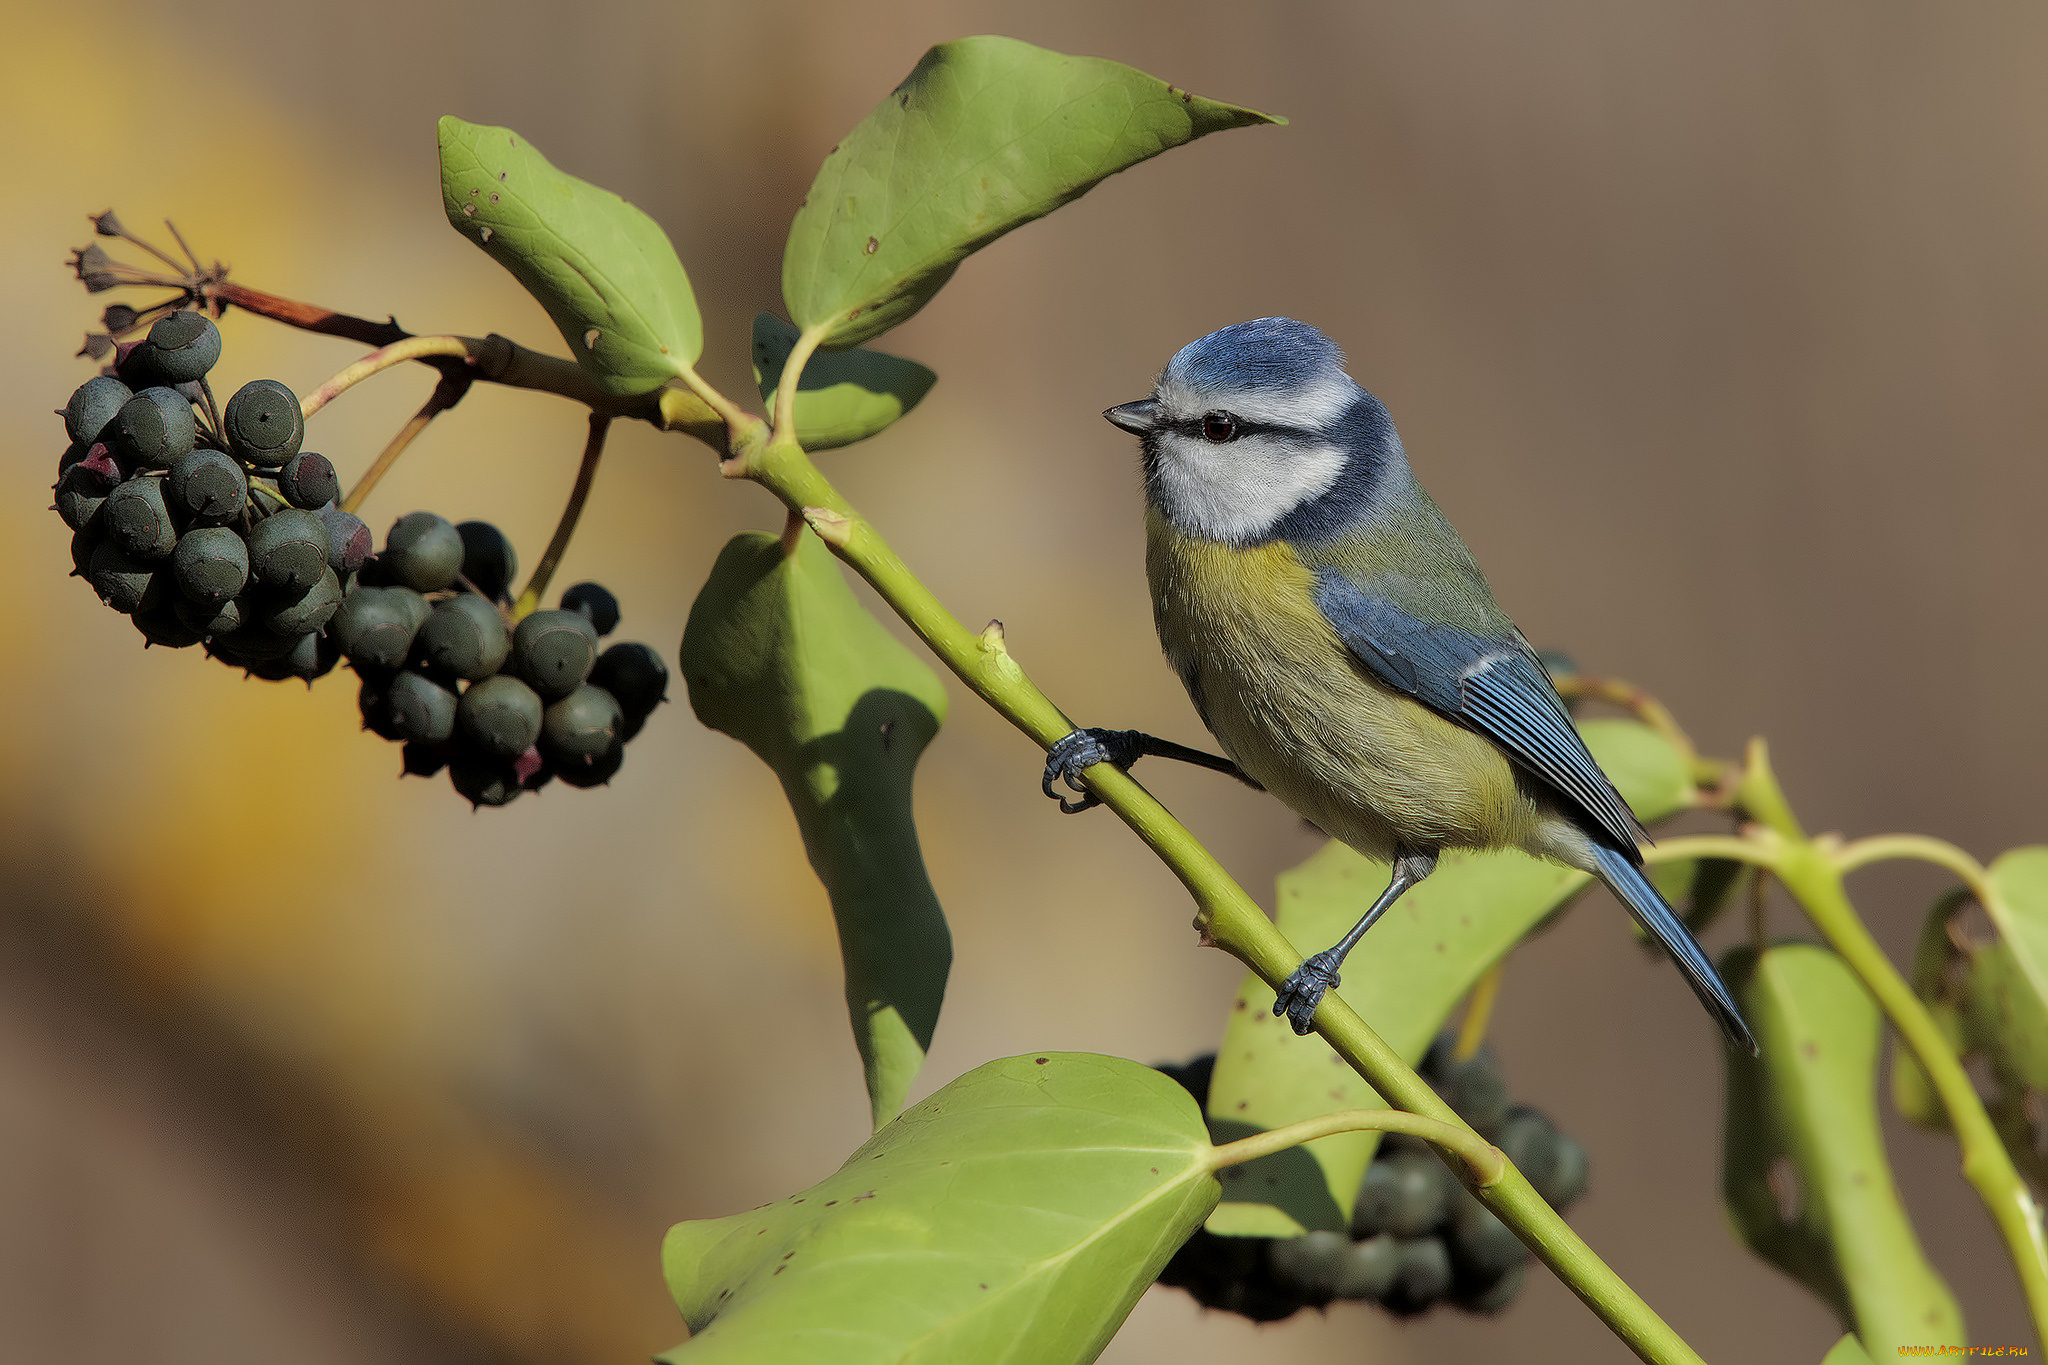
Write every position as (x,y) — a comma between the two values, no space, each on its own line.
(209,525)
(1418,1238)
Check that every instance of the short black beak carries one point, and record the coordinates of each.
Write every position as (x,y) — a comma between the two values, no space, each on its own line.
(1137,418)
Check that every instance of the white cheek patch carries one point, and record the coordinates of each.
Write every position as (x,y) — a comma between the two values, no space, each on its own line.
(1235,491)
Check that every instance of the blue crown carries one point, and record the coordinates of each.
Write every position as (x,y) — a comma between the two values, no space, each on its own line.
(1267,354)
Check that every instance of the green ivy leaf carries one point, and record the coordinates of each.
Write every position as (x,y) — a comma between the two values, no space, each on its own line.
(1017,1215)
(779,655)
(844,396)
(605,271)
(984,135)
(2021,877)
(1809,1102)
(1984,1001)
(1404,979)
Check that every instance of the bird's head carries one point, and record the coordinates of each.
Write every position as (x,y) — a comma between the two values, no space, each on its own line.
(1255,433)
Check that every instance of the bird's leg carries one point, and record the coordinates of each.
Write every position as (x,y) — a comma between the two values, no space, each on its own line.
(1085,748)
(1303,991)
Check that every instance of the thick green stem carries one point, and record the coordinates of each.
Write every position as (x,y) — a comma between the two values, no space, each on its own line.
(1225,915)
(1811,870)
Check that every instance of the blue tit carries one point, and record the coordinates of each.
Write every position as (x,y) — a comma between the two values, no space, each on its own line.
(1338,640)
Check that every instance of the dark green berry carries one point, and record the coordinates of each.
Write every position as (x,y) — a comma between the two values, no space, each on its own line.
(83,543)
(262,423)
(153,429)
(1482,1247)
(422,760)
(464,636)
(554,651)
(423,552)
(185,345)
(308,480)
(596,605)
(633,673)
(308,611)
(1368,1269)
(80,495)
(1472,1087)
(372,701)
(210,565)
(288,550)
(250,644)
(123,582)
(1310,1264)
(208,486)
(134,517)
(314,656)
(590,774)
(1530,1140)
(1407,1193)
(160,624)
(500,716)
(348,539)
(1566,1180)
(1422,1274)
(207,619)
(375,626)
(421,709)
(488,560)
(1489,1296)
(581,729)
(93,405)
(485,780)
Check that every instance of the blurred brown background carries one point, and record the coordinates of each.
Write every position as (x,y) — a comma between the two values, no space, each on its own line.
(1718,330)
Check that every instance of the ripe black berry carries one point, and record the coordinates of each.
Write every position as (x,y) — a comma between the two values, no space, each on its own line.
(488,560)
(595,602)
(633,673)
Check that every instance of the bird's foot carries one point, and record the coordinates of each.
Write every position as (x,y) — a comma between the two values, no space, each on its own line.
(1084,749)
(1303,991)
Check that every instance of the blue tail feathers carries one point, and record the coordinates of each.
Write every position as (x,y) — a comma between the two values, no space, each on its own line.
(1627,881)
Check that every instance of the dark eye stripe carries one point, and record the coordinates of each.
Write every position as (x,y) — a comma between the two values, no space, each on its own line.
(1192,426)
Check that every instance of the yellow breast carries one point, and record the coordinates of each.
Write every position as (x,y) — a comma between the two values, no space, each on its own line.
(1303,718)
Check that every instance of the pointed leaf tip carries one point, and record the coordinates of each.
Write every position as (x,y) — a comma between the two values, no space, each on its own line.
(604,271)
(984,135)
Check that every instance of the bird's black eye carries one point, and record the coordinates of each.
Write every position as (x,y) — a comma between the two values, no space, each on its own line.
(1219,426)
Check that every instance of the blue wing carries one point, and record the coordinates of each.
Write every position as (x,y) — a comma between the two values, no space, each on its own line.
(1494,687)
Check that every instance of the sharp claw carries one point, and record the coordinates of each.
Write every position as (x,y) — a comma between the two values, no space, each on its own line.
(1302,992)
